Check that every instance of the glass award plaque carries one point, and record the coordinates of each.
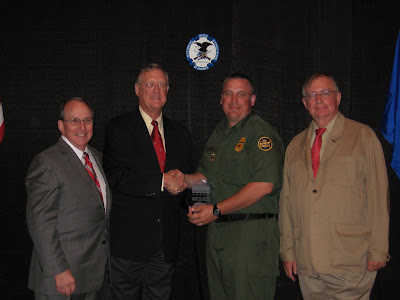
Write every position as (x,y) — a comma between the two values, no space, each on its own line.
(200,192)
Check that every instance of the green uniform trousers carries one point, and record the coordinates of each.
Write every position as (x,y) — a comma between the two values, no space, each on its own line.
(243,259)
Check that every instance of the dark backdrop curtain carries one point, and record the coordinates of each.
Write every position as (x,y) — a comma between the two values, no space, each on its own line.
(50,51)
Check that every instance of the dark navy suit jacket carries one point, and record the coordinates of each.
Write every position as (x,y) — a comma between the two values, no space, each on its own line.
(144,219)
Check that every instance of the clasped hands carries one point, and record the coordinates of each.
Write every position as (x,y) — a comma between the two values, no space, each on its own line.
(174,181)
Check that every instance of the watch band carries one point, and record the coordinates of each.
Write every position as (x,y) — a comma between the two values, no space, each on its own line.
(216,211)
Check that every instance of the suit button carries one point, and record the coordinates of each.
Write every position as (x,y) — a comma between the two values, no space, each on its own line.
(103,242)
(158,221)
(314,191)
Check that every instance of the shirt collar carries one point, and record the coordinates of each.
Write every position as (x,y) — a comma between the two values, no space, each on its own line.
(328,127)
(239,125)
(147,119)
(78,152)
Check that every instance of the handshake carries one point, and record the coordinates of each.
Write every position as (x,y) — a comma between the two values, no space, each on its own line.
(174,182)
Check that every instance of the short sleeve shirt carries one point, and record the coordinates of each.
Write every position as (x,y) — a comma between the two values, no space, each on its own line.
(250,151)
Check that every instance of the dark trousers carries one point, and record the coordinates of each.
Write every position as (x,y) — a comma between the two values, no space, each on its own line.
(149,279)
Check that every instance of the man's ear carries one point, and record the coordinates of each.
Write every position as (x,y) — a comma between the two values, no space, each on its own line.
(304,103)
(253,100)
(137,89)
(61,126)
(338,98)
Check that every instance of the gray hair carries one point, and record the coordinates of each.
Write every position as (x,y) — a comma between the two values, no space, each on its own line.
(311,78)
(151,67)
(78,99)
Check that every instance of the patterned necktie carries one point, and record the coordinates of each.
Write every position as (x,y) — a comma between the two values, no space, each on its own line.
(315,149)
(92,173)
(158,145)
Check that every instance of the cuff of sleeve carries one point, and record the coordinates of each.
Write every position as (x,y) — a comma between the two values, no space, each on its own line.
(378,256)
(287,256)
(55,269)
(162,183)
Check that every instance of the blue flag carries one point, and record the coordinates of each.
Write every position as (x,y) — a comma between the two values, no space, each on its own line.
(391,116)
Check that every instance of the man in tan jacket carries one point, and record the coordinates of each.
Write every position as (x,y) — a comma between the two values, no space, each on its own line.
(334,205)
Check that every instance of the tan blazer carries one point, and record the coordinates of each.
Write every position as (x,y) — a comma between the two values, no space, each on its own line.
(338,221)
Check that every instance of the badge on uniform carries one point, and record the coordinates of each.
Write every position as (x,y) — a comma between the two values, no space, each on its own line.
(265,143)
(240,144)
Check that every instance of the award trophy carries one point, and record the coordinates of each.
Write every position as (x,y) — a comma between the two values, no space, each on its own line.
(200,192)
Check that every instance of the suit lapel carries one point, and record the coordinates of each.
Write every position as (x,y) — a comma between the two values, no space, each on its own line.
(108,192)
(307,152)
(78,168)
(141,134)
(170,142)
(332,143)
(334,140)
(73,160)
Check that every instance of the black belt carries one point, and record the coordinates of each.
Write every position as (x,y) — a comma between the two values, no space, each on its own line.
(243,217)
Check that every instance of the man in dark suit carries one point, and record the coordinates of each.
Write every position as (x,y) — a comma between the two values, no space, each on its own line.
(145,221)
(68,208)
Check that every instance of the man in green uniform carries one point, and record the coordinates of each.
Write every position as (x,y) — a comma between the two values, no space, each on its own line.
(243,158)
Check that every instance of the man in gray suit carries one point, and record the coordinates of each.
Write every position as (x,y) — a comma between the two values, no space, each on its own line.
(68,209)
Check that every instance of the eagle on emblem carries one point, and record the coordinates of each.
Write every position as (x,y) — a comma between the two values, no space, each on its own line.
(202,51)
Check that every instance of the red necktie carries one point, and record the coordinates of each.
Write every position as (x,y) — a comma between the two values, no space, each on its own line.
(315,149)
(92,173)
(158,145)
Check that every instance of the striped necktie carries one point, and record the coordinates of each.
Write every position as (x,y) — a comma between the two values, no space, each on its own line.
(92,173)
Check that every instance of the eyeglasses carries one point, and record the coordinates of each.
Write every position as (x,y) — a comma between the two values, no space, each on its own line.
(323,94)
(77,122)
(150,85)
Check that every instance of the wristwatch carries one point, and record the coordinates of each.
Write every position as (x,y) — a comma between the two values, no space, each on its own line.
(216,211)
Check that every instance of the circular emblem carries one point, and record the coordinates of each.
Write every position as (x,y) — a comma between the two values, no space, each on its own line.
(202,52)
(240,144)
(265,143)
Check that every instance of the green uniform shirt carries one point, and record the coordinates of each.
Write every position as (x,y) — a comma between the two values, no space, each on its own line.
(250,151)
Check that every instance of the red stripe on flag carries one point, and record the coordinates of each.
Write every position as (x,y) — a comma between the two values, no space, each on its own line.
(2,126)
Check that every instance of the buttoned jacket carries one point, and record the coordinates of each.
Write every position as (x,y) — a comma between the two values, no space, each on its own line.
(339,220)
(145,219)
(66,220)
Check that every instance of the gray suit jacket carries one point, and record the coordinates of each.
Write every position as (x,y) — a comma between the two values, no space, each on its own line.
(66,220)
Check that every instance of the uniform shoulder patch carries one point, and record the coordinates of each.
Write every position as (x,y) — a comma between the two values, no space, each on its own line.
(265,143)
(240,144)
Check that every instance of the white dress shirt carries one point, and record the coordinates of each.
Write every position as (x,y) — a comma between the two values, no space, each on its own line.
(99,176)
(147,119)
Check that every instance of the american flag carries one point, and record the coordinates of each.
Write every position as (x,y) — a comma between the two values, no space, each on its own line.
(2,126)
